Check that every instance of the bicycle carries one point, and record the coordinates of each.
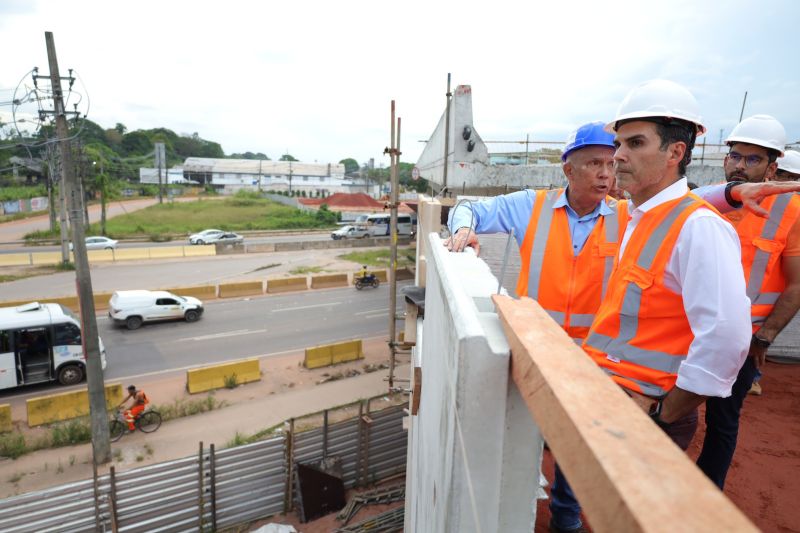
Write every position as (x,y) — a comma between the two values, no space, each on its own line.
(147,422)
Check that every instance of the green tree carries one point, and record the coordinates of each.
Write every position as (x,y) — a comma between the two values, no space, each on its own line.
(120,128)
(350,165)
(287,157)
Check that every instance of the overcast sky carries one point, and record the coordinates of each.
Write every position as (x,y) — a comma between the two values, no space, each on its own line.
(316,77)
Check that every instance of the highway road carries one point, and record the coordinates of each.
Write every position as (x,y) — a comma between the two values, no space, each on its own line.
(235,329)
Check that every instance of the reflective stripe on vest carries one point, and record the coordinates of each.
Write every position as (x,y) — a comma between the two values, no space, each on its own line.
(612,234)
(540,244)
(620,346)
(758,270)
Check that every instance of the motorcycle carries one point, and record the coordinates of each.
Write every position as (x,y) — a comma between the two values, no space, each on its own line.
(370,280)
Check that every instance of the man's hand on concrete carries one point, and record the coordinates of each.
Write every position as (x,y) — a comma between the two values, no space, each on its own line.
(751,194)
(462,238)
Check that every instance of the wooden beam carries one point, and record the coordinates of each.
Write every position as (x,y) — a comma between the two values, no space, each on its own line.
(626,473)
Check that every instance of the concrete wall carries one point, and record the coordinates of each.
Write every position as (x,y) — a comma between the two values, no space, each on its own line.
(474,452)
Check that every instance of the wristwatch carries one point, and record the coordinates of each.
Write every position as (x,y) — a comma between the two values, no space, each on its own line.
(655,414)
(761,343)
(733,203)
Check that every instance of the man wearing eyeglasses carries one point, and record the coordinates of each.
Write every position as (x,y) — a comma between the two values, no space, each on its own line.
(771,262)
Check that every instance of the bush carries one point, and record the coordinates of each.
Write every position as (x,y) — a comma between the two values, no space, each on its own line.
(75,431)
(12,445)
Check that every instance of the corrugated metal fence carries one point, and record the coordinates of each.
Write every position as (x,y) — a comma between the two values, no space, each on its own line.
(213,490)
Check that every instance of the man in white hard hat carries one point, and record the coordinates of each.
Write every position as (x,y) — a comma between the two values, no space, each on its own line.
(673,328)
(771,263)
(788,166)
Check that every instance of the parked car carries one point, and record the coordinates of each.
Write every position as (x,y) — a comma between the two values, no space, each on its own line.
(225,237)
(350,232)
(205,236)
(133,308)
(99,243)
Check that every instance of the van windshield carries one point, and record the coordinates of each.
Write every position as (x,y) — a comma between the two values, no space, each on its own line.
(67,311)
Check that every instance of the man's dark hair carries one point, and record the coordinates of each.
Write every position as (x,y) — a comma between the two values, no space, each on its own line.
(672,131)
(772,155)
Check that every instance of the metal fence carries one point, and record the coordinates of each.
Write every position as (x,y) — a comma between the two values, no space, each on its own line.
(213,490)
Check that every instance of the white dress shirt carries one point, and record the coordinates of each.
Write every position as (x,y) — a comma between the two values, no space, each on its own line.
(706,270)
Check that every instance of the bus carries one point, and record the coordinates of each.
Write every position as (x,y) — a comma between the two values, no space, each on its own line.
(39,343)
(378,225)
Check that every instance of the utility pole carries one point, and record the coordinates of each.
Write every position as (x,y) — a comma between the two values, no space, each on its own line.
(394,156)
(62,212)
(52,196)
(160,161)
(446,132)
(290,175)
(101,448)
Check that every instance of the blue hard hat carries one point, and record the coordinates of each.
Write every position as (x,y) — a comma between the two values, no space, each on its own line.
(591,134)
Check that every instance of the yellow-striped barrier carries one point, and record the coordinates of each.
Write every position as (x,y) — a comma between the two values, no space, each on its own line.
(242,288)
(166,252)
(131,254)
(299,283)
(66,405)
(222,375)
(15,259)
(330,354)
(329,280)
(204,292)
(199,251)
(97,256)
(101,299)
(5,418)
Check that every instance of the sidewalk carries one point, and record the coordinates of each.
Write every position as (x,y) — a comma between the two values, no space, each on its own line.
(286,390)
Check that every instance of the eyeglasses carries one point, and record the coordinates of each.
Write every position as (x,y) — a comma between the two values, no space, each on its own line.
(749,160)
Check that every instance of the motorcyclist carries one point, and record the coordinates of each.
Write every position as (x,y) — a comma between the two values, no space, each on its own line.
(363,274)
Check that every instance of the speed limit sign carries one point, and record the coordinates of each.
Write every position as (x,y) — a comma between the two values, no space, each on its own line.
(415,173)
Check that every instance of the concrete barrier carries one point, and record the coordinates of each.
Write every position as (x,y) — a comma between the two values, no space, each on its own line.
(66,405)
(129,254)
(99,256)
(101,299)
(199,251)
(67,301)
(330,354)
(329,280)
(203,292)
(17,303)
(166,252)
(382,275)
(15,259)
(45,258)
(242,288)
(299,283)
(5,418)
(259,248)
(214,377)
(404,273)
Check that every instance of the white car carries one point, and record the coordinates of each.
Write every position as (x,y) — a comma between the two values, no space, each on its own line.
(99,243)
(205,236)
(228,237)
(133,308)
(350,232)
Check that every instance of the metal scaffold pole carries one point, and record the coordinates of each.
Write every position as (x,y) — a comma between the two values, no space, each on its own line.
(394,156)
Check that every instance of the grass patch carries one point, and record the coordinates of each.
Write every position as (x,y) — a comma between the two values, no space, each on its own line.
(65,267)
(299,271)
(240,439)
(188,407)
(237,213)
(379,258)
(231,382)
(12,445)
(75,431)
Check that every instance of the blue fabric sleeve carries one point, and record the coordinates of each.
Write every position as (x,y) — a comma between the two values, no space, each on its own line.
(495,215)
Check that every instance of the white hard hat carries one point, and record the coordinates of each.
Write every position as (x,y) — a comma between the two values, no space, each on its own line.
(761,130)
(659,98)
(790,162)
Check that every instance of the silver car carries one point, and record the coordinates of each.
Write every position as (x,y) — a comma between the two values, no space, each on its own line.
(206,236)
(99,243)
(227,237)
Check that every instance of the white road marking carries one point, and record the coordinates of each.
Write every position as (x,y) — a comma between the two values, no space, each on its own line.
(304,307)
(224,334)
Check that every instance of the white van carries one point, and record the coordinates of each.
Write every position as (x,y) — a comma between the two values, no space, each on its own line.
(41,342)
(133,308)
(378,225)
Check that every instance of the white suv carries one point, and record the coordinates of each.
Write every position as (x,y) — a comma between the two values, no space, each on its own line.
(133,308)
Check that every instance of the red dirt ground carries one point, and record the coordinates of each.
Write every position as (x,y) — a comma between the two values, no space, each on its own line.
(764,479)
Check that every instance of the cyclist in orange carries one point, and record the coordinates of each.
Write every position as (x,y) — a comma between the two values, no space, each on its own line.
(138,404)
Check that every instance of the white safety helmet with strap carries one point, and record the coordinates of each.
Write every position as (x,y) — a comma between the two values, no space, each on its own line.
(790,162)
(760,130)
(659,99)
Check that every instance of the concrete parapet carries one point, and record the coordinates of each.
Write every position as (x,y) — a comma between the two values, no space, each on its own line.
(166,252)
(5,418)
(101,299)
(222,375)
(203,292)
(99,256)
(46,258)
(259,248)
(127,254)
(330,354)
(299,283)
(66,405)
(329,280)
(242,288)
(382,275)
(15,259)
(199,251)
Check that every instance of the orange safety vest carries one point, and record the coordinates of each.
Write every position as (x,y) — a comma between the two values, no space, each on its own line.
(141,398)
(568,286)
(763,241)
(641,334)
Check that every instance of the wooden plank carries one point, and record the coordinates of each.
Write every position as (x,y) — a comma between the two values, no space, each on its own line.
(627,474)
